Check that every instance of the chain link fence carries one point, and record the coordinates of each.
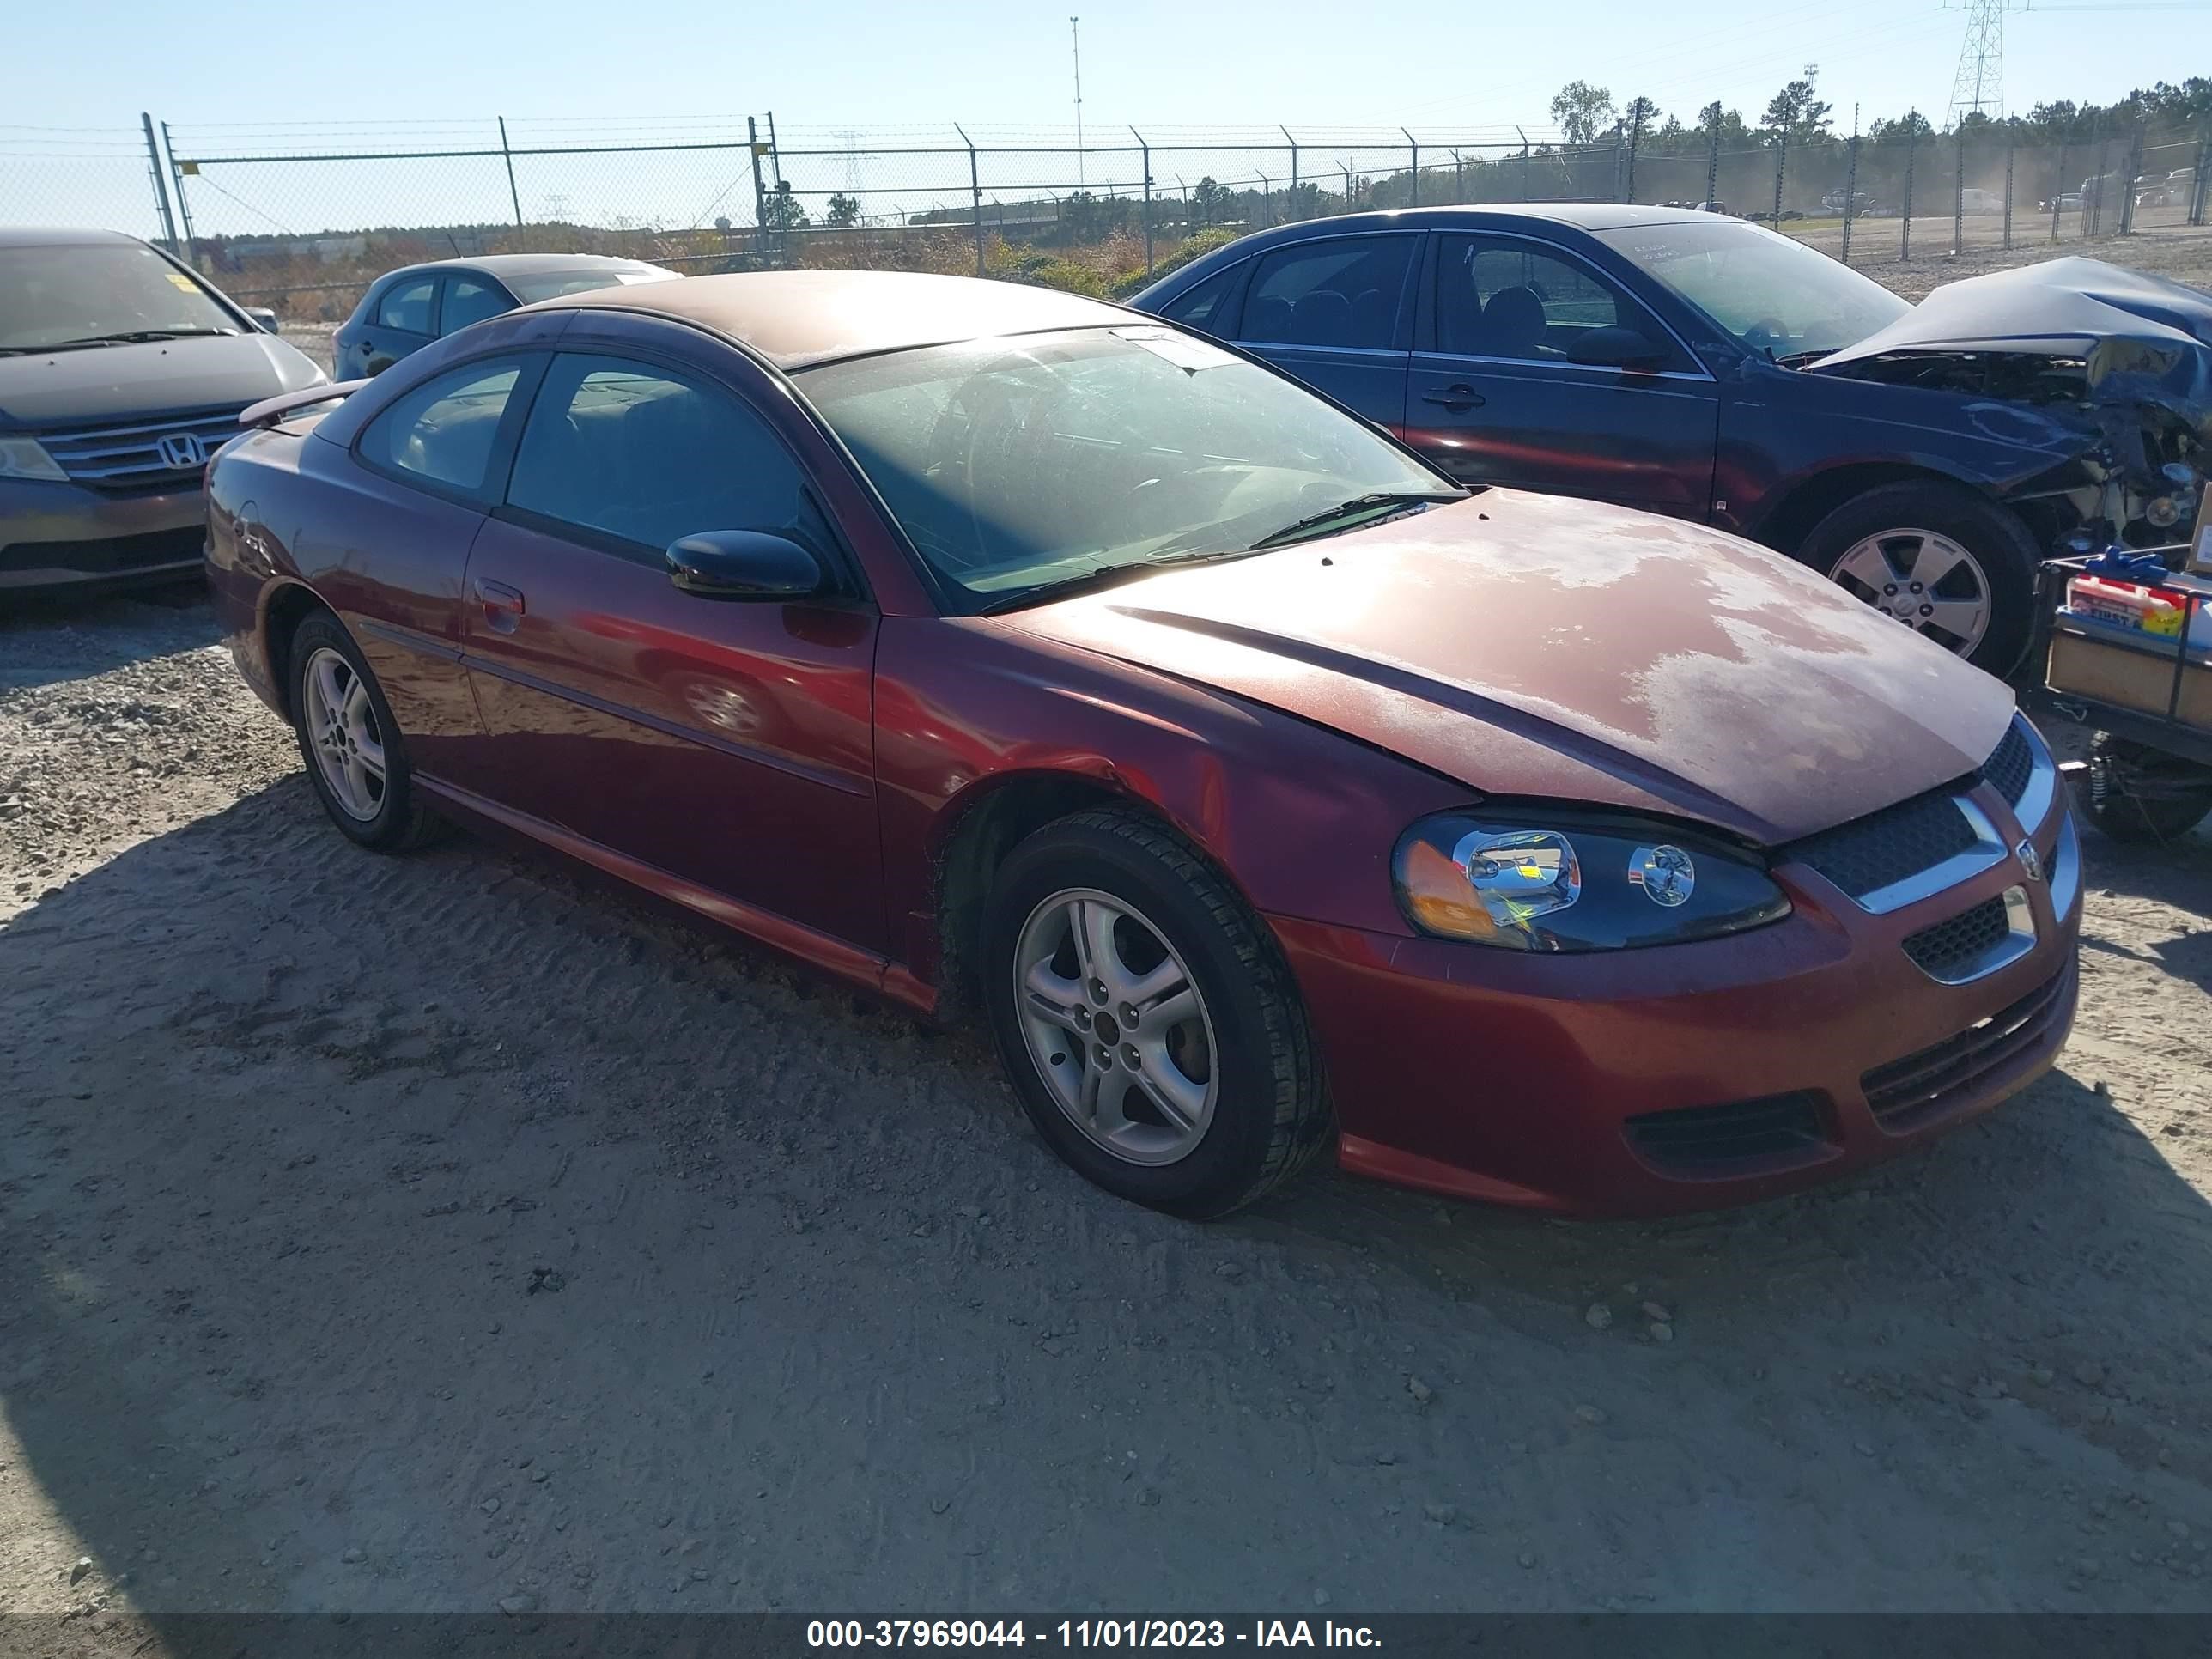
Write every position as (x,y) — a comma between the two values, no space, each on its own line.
(303,219)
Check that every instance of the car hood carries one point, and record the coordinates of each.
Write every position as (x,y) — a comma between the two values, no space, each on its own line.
(1531,646)
(2124,357)
(115,382)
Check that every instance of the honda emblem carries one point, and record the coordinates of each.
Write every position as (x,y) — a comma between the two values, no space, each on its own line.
(182,449)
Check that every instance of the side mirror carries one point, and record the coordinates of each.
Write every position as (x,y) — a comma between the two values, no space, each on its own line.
(1617,348)
(744,565)
(263,318)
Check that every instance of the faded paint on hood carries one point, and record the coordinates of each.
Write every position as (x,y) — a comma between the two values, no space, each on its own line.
(1534,646)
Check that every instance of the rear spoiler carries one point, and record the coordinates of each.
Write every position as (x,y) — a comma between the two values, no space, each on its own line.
(270,410)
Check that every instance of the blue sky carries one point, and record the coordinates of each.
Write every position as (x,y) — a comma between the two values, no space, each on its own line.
(869,62)
(236,77)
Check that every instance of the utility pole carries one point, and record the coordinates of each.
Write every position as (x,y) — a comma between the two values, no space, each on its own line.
(160,190)
(760,201)
(1075,40)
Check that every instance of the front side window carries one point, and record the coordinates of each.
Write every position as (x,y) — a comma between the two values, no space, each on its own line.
(647,455)
(1202,308)
(1499,297)
(87,295)
(468,300)
(1341,293)
(1018,465)
(445,430)
(406,306)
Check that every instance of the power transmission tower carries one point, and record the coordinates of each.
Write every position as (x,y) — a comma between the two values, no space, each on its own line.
(1978,87)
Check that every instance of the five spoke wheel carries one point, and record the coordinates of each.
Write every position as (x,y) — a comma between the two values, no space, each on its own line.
(343,735)
(1116,1026)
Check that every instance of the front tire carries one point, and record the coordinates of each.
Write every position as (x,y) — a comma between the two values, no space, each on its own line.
(356,759)
(1956,568)
(1146,1018)
(2143,795)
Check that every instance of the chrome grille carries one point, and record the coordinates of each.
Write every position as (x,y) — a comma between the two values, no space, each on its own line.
(131,458)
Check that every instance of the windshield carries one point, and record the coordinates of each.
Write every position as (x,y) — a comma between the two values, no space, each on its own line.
(1769,293)
(51,296)
(1016,464)
(552,284)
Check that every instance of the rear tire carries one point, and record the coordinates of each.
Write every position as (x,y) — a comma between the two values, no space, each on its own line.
(356,757)
(1244,1106)
(1877,545)
(2143,795)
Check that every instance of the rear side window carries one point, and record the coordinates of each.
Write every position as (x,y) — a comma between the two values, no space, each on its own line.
(1341,293)
(1203,307)
(647,455)
(444,431)
(468,300)
(406,306)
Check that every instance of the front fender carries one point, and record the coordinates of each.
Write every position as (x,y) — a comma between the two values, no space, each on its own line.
(1301,819)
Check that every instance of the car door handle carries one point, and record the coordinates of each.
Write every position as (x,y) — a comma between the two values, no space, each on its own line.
(502,605)
(1454,397)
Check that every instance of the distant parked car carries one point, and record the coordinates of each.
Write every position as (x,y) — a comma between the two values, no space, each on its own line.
(1719,371)
(2172,191)
(1980,201)
(406,309)
(121,371)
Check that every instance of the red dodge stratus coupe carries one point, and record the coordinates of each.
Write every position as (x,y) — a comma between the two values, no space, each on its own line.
(989,646)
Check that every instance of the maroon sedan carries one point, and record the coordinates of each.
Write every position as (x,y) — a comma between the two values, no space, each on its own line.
(986,646)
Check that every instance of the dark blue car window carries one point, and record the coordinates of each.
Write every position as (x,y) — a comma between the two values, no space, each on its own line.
(406,306)
(1342,292)
(1201,307)
(468,300)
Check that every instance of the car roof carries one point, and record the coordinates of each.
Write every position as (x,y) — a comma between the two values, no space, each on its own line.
(63,236)
(796,319)
(528,264)
(1486,215)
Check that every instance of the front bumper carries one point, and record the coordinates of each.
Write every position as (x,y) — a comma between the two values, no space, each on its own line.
(60,537)
(1688,1077)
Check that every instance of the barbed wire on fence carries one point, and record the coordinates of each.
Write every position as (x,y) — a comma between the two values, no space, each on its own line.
(306,213)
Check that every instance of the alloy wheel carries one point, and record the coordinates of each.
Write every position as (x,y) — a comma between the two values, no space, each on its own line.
(343,735)
(1116,1026)
(1923,579)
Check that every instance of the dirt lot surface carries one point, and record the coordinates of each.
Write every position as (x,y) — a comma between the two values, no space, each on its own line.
(440,1232)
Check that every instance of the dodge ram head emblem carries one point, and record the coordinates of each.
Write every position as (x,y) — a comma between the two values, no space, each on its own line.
(2030,860)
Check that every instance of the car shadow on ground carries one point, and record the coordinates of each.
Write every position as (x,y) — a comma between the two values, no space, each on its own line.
(407,1234)
(48,638)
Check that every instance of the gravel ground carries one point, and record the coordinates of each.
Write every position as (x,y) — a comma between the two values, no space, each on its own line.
(443,1232)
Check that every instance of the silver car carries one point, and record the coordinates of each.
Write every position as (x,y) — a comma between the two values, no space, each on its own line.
(121,371)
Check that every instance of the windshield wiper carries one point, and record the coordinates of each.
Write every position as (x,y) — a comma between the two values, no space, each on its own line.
(1108,575)
(134,337)
(1318,524)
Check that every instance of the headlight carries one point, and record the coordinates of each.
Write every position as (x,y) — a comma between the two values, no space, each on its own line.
(1606,886)
(22,458)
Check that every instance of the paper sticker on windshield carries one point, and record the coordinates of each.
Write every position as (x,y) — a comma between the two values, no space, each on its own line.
(182,281)
(1185,353)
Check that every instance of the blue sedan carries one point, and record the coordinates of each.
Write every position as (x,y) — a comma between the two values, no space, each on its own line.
(1692,364)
